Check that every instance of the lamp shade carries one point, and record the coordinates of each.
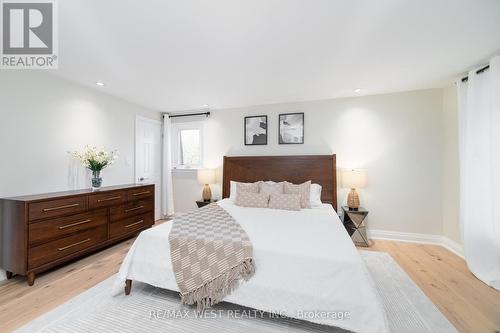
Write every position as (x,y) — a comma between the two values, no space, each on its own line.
(354,178)
(206,176)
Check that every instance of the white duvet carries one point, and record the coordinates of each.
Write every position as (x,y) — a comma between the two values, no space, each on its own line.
(306,267)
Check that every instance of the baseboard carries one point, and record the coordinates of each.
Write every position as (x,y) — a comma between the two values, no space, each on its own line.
(409,237)
(405,236)
(453,246)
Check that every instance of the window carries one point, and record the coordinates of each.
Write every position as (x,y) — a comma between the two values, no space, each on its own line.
(187,143)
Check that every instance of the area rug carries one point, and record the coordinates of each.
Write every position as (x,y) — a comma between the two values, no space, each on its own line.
(152,309)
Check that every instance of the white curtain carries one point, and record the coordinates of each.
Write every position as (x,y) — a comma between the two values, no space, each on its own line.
(479,147)
(167,193)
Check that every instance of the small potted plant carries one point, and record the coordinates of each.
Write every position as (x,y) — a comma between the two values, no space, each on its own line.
(95,159)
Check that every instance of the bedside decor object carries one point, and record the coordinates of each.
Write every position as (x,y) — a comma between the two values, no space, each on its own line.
(95,159)
(291,128)
(354,223)
(255,130)
(353,179)
(206,177)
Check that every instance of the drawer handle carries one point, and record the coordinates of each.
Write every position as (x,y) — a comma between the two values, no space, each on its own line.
(141,193)
(60,207)
(75,244)
(132,209)
(132,224)
(109,199)
(73,224)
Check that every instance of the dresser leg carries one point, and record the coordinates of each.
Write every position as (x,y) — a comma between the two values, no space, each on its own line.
(31,278)
(9,275)
(128,286)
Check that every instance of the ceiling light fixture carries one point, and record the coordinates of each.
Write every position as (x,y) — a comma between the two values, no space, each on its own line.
(100,84)
(205,106)
(358,90)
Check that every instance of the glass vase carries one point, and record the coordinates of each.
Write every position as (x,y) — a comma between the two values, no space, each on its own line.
(96,180)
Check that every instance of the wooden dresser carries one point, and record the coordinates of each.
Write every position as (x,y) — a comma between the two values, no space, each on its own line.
(38,232)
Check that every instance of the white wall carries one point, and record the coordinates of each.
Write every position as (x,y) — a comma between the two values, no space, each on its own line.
(451,188)
(397,137)
(42,117)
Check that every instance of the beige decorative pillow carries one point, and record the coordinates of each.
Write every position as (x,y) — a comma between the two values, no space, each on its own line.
(285,201)
(272,187)
(249,199)
(303,189)
(247,187)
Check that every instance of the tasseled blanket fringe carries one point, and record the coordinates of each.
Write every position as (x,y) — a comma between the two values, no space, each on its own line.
(215,290)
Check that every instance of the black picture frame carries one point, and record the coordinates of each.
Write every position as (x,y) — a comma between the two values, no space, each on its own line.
(256,140)
(282,140)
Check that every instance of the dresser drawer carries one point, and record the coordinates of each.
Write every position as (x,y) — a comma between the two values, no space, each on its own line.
(140,193)
(55,228)
(107,199)
(127,226)
(131,209)
(53,208)
(60,248)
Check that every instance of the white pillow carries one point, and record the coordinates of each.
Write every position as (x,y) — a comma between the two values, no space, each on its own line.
(315,196)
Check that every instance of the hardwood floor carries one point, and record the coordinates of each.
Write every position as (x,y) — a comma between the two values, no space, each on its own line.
(468,303)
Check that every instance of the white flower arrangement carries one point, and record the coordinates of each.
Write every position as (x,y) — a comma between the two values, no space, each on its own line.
(95,159)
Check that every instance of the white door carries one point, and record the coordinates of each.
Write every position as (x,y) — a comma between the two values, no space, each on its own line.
(148,156)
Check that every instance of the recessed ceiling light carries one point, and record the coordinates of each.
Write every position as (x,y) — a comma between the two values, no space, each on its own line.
(205,105)
(100,84)
(358,90)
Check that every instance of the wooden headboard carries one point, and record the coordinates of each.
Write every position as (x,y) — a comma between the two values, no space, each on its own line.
(320,169)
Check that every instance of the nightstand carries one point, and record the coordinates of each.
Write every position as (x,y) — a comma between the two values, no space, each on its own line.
(202,203)
(354,222)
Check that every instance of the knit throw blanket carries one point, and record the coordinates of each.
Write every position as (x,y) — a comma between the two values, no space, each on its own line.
(210,254)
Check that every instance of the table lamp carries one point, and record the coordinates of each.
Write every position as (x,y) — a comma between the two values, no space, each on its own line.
(353,179)
(206,177)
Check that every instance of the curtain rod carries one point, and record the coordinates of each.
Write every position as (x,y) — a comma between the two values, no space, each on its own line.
(479,71)
(188,114)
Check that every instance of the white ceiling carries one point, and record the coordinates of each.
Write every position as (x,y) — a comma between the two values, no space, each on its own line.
(178,55)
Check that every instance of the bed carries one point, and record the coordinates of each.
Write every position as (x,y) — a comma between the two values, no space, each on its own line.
(307,266)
